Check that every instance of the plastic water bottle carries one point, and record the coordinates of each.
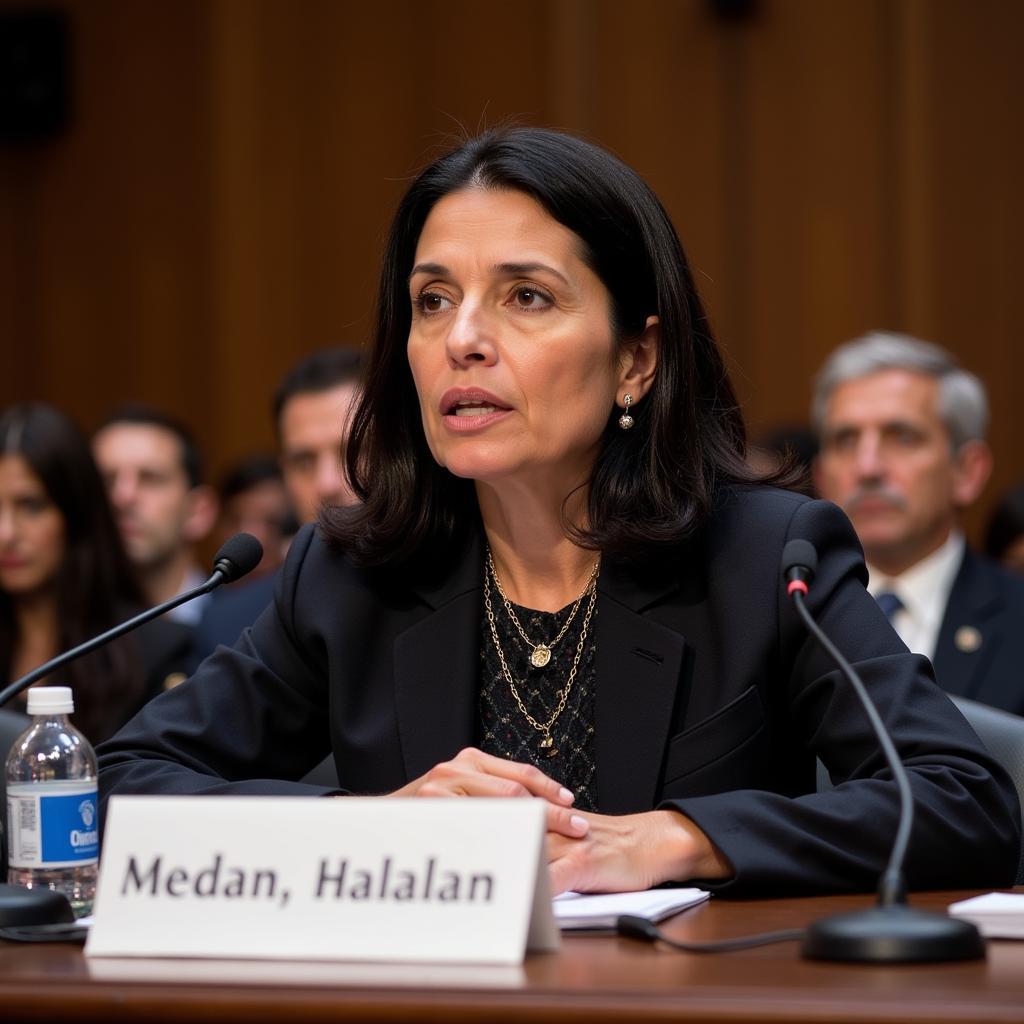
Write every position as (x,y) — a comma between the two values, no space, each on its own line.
(52,811)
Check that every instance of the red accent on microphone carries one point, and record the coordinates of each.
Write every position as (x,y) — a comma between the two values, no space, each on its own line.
(796,585)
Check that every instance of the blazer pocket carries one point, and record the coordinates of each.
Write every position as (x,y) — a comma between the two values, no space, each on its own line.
(723,733)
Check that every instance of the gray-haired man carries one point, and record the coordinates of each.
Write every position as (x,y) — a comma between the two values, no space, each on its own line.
(903,451)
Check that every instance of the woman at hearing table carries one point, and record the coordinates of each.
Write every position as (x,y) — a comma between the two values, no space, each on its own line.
(563,581)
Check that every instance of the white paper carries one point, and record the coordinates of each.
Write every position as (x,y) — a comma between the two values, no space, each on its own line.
(574,910)
(999,915)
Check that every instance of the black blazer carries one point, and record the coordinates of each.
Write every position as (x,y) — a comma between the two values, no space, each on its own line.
(710,699)
(980,648)
(228,612)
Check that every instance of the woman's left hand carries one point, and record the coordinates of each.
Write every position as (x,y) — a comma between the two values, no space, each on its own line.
(629,852)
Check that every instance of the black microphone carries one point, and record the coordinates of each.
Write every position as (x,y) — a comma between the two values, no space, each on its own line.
(891,931)
(237,556)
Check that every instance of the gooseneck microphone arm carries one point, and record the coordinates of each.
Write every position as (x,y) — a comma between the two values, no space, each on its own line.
(891,932)
(798,572)
(238,556)
(891,886)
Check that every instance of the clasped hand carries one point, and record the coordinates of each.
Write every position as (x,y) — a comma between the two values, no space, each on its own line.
(586,852)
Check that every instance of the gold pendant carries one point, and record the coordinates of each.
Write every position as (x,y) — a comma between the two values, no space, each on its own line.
(541,656)
(547,746)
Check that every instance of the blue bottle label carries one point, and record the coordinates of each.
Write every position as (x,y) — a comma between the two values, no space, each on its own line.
(52,826)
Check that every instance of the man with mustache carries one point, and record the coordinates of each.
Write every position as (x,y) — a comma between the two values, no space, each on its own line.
(903,451)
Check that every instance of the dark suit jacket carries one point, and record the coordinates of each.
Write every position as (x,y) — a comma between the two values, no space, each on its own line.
(161,651)
(164,647)
(710,699)
(229,610)
(980,649)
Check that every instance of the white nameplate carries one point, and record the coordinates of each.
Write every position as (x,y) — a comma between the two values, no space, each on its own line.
(355,878)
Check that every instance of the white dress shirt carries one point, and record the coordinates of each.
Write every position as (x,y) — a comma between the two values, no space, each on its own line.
(924,590)
(192,611)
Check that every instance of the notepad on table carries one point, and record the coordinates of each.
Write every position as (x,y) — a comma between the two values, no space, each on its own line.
(998,915)
(577,911)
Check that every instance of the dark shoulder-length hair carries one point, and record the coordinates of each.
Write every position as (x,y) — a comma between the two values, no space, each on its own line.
(95,586)
(651,486)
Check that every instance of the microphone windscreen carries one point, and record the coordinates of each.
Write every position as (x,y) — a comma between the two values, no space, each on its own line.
(799,554)
(238,556)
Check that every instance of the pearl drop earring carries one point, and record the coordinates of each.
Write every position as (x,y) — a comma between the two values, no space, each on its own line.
(625,420)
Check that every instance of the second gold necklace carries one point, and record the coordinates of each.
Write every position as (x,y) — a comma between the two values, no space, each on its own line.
(540,654)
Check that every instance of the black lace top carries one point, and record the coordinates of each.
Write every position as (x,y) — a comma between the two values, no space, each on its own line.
(505,732)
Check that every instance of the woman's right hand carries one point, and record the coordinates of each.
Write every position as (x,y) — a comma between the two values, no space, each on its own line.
(473,773)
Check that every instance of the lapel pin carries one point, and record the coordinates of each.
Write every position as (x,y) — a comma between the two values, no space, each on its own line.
(967,639)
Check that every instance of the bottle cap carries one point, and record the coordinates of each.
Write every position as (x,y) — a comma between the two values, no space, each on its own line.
(56,700)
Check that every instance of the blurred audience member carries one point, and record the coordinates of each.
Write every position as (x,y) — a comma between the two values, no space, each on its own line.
(154,477)
(64,575)
(903,451)
(1004,539)
(253,500)
(311,410)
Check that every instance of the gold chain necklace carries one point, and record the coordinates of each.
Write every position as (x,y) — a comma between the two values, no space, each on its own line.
(540,653)
(547,743)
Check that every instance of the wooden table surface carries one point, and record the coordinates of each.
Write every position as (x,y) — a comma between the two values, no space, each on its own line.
(593,979)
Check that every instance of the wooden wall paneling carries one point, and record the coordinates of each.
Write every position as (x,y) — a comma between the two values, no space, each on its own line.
(571,65)
(910,128)
(112,304)
(973,166)
(738,331)
(267,174)
(243,354)
(279,201)
(474,65)
(307,113)
(126,310)
(322,120)
(659,101)
(820,259)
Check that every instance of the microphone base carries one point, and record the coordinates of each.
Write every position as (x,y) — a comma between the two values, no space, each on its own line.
(892,935)
(20,906)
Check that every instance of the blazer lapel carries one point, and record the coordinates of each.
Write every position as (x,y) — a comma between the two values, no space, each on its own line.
(965,638)
(437,668)
(639,666)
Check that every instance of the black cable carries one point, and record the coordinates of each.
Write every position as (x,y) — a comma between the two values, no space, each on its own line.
(640,928)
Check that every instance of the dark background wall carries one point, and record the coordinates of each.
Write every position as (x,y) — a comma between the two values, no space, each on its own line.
(215,206)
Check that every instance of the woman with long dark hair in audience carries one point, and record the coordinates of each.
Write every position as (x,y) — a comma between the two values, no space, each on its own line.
(64,576)
(562,579)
